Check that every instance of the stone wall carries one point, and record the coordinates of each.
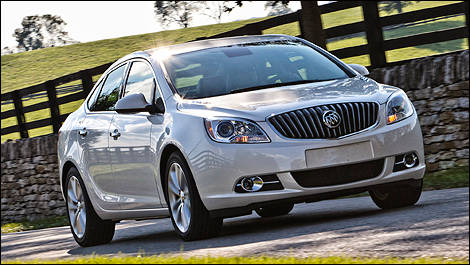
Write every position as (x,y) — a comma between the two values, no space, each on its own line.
(30,187)
(438,87)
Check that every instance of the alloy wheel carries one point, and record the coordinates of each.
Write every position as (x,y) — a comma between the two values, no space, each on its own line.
(179,197)
(76,206)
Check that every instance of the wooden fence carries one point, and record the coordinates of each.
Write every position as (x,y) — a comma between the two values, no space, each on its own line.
(53,102)
(372,25)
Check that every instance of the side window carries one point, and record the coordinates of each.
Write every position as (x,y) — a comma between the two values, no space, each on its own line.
(110,91)
(141,80)
(92,99)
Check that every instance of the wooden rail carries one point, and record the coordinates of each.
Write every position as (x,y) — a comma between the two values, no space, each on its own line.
(52,103)
(372,25)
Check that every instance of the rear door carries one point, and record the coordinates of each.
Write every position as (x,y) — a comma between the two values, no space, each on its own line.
(94,138)
(130,151)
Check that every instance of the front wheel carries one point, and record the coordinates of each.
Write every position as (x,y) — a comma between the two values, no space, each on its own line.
(87,227)
(396,196)
(275,210)
(190,218)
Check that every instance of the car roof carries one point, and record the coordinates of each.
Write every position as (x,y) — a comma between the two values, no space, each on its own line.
(212,43)
(156,53)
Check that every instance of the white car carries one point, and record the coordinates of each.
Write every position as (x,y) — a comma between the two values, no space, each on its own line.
(218,128)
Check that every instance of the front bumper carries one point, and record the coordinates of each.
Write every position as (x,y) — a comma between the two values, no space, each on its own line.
(216,167)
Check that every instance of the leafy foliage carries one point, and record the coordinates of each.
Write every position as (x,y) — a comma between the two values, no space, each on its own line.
(41,32)
(277,8)
(179,12)
(390,6)
(215,9)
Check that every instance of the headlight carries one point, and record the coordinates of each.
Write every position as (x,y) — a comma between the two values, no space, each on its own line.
(399,107)
(232,130)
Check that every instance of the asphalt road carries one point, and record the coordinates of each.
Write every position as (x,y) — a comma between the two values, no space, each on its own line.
(438,225)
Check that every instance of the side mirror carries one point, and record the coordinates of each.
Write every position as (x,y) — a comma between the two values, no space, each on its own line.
(133,103)
(159,106)
(362,70)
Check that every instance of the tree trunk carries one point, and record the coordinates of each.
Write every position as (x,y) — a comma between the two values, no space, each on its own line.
(311,25)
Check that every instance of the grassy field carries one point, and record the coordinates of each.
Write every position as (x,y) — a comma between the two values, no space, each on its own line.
(28,68)
(166,259)
(33,225)
(445,179)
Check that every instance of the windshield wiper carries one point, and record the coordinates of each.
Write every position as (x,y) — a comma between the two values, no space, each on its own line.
(276,85)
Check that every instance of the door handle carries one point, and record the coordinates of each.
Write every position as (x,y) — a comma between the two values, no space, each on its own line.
(115,134)
(83,132)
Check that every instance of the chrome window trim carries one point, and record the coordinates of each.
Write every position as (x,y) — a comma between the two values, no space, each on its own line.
(126,75)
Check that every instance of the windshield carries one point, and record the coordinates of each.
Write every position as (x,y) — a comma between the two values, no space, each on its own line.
(243,67)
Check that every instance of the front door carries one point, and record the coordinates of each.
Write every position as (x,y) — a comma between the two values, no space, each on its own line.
(129,145)
(94,138)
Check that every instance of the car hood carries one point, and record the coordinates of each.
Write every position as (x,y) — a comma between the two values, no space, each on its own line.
(259,104)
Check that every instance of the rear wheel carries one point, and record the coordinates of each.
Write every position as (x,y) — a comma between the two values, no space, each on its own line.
(189,216)
(400,195)
(275,210)
(87,227)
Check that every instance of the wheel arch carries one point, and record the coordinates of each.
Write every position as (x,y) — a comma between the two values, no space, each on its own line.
(167,151)
(165,155)
(65,169)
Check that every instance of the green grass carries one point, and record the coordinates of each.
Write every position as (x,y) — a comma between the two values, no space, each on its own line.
(28,68)
(33,225)
(165,259)
(445,179)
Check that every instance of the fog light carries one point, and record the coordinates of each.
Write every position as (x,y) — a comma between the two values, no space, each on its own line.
(252,184)
(405,161)
(410,160)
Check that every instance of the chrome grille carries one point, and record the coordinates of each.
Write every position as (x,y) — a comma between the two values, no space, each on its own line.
(308,123)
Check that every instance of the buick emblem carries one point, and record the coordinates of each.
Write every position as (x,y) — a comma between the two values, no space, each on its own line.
(331,119)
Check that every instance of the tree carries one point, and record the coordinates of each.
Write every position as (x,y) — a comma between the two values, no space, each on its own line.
(311,25)
(390,6)
(8,50)
(215,9)
(180,12)
(277,8)
(41,32)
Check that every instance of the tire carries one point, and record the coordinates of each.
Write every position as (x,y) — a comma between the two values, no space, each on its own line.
(184,198)
(275,210)
(97,231)
(397,196)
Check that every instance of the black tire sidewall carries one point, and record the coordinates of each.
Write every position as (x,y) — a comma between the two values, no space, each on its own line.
(93,221)
(275,210)
(201,224)
(74,172)
(399,196)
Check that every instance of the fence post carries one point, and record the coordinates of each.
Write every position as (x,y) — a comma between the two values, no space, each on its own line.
(87,82)
(375,39)
(310,23)
(301,26)
(53,106)
(19,114)
(466,15)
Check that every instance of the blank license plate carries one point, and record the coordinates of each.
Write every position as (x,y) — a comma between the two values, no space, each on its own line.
(343,154)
